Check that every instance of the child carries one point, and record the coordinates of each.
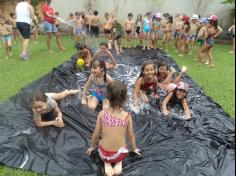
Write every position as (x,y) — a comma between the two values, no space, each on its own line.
(105,55)
(165,77)
(95,24)
(212,31)
(156,29)
(107,26)
(232,32)
(88,21)
(35,31)
(114,123)
(183,48)
(116,44)
(6,33)
(83,53)
(129,29)
(178,96)
(179,28)
(194,27)
(14,28)
(79,29)
(146,85)
(147,23)
(46,110)
(70,20)
(99,79)
(138,27)
(200,38)
(167,28)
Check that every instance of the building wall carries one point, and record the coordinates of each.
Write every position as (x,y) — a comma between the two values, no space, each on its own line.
(143,6)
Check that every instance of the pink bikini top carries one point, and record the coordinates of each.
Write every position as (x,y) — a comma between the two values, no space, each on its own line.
(110,121)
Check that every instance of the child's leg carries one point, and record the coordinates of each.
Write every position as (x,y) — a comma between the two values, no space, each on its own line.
(164,41)
(62,95)
(6,49)
(92,103)
(9,45)
(209,54)
(59,42)
(128,39)
(109,171)
(118,168)
(168,40)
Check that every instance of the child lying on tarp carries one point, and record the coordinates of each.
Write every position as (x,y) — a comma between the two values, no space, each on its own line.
(177,96)
(46,110)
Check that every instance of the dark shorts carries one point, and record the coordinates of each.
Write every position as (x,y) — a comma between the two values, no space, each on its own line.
(24,29)
(107,31)
(128,32)
(95,31)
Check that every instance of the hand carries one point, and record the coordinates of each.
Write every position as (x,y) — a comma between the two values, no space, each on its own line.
(89,151)
(166,112)
(58,124)
(84,102)
(137,152)
(187,116)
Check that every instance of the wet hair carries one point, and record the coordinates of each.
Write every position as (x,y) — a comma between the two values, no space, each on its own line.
(39,96)
(95,12)
(71,14)
(214,23)
(146,63)
(56,13)
(101,64)
(117,94)
(104,44)
(12,14)
(162,63)
(130,15)
(117,37)
(107,14)
(77,13)
(79,46)
(170,19)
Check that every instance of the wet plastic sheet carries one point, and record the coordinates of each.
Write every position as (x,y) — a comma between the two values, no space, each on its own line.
(170,147)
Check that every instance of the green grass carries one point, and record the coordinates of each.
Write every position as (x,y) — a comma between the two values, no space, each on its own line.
(218,82)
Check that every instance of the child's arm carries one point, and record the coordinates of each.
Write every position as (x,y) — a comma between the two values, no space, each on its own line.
(39,123)
(137,91)
(230,29)
(169,77)
(218,32)
(96,133)
(86,89)
(96,54)
(116,47)
(112,58)
(165,102)
(131,136)
(186,109)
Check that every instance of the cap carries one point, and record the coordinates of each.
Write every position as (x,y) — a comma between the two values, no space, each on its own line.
(195,17)
(183,86)
(213,17)
(158,15)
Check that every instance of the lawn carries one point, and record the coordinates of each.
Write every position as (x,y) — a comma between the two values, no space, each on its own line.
(217,82)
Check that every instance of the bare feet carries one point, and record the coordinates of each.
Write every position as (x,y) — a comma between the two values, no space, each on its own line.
(184,69)
(109,171)
(118,168)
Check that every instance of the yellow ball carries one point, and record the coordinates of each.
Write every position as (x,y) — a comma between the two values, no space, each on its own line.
(80,62)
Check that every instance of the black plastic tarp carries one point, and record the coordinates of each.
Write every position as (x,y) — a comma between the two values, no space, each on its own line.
(203,146)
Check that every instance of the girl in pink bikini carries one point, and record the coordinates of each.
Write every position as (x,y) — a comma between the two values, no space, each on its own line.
(113,123)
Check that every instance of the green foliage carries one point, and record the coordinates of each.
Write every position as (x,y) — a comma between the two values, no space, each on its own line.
(228,2)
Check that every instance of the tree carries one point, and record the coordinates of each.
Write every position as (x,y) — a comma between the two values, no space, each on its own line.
(155,5)
(200,6)
(228,2)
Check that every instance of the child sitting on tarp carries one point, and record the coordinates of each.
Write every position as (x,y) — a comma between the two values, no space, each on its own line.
(114,124)
(46,110)
(105,55)
(99,80)
(178,96)
(83,53)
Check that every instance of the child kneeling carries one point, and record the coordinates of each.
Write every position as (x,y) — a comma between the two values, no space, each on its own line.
(113,123)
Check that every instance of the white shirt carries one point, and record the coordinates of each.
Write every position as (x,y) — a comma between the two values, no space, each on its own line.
(23,13)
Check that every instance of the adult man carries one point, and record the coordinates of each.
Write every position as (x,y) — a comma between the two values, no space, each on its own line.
(49,25)
(24,16)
